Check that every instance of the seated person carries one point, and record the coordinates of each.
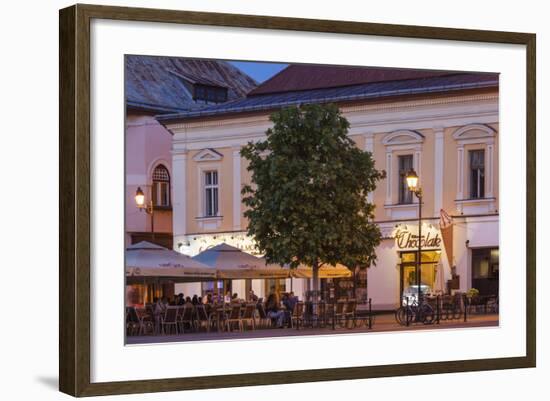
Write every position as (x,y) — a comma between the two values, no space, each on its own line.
(253,297)
(274,311)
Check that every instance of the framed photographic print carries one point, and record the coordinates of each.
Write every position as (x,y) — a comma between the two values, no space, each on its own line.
(307,200)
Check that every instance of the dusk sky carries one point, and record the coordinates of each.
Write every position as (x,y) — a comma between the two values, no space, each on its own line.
(259,71)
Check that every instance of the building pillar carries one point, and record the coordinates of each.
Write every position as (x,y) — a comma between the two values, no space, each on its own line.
(236,188)
(460,173)
(417,163)
(389,174)
(369,147)
(490,162)
(438,169)
(179,186)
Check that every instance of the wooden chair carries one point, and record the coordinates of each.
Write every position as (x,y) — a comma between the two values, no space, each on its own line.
(263,319)
(217,317)
(249,316)
(202,318)
(170,319)
(297,317)
(349,312)
(186,318)
(133,324)
(234,317)
(147,325)
(339,313)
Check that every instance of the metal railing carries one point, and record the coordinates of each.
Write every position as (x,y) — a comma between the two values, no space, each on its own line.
(434,309)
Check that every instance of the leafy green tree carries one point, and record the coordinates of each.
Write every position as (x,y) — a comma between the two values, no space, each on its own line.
(308,200)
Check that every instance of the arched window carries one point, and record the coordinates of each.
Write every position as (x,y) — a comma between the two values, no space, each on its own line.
(161,186)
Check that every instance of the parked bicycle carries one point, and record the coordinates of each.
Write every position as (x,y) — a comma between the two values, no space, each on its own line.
(415,313)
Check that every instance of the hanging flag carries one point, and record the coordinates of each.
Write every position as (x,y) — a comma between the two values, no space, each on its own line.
(446,227)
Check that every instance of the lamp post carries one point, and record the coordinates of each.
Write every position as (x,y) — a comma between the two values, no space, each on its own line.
(412,184)
(147,207)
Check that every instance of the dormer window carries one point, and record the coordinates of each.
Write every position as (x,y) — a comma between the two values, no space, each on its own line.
(209,94)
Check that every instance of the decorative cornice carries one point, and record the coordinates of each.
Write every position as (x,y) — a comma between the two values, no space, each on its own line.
(474,131)
(420,103)
(403,137)
(264,117)
(207,155)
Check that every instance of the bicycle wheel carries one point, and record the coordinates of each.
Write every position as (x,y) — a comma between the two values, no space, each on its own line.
(427,314)
(403,314)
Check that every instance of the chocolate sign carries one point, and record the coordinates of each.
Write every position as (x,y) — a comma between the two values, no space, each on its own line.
(407,240)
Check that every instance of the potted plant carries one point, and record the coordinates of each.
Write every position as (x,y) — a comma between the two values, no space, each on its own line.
(472,293)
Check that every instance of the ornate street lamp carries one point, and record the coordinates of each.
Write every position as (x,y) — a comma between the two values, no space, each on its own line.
(412,184)
(147,207)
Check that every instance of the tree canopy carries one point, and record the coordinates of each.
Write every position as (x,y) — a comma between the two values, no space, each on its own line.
(307,202)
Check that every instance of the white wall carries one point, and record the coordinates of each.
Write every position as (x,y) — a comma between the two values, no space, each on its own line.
(480,233)
(188,289)
(29,351)
(383,279)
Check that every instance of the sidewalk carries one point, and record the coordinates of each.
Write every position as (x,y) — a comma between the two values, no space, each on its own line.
(382,323)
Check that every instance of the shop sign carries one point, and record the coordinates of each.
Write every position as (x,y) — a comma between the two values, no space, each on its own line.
(405,239)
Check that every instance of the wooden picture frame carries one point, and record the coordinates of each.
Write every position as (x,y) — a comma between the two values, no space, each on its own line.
(74,204)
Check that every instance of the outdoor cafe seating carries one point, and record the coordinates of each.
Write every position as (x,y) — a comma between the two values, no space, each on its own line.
(150,263)
(238,316)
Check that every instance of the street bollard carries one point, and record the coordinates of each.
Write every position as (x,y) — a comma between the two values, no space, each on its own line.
(370,313)
(407,312)
(465,302)
(437,308)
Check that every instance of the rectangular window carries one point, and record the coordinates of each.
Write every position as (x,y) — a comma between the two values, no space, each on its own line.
(405,165)
(477,174)
(211,193)
(161,193)
(485,263)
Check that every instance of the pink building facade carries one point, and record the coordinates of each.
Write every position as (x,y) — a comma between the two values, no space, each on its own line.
(156,86)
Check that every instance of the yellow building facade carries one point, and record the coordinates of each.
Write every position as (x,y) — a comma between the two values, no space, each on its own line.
(449,139)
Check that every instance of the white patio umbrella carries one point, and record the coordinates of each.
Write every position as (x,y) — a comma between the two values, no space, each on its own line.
(232,263)
(439,285)
(145,259)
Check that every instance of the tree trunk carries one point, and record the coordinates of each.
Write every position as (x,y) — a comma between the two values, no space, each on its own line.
(315,278)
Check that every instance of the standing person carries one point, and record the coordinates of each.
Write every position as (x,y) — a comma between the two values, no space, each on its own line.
(158,312)
(195,300)
(273,310)
(181,299)
(227,298)
(292,300)
(165,302)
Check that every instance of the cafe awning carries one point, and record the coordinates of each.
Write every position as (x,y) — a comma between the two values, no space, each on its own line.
(148,260)
(231,263)
(325,271)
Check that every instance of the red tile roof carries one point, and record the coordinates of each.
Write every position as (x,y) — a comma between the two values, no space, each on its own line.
(298,77)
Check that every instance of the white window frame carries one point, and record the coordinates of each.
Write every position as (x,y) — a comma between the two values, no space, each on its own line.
(482,135)
(214,195)
(400,180)
(397,141)
(208,159)
(208,222)
(478,183)
(156,191)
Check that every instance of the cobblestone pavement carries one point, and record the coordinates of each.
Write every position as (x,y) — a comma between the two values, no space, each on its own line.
(382,323)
